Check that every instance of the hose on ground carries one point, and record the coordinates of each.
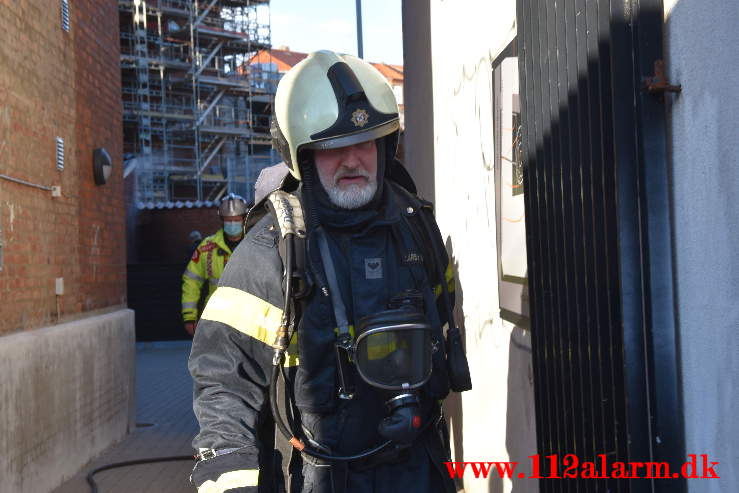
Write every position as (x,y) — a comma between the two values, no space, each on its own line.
(93,484)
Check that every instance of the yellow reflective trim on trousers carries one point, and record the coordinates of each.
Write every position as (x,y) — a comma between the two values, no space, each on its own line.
(249,315)
(230,480)
(449,275)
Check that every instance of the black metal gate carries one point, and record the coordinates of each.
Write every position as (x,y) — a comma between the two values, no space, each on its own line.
(598,239)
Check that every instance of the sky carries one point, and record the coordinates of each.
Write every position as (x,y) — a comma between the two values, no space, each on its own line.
(310,25)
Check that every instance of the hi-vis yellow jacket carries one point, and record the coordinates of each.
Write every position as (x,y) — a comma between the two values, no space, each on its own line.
(206,265)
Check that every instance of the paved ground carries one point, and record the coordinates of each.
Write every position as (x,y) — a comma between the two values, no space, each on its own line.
(164,400)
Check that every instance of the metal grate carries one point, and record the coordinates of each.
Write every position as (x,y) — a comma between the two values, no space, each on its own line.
(65,15)
(59,153)
(598,388)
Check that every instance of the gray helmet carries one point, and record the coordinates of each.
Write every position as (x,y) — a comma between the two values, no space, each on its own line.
(233,205)
(330,100)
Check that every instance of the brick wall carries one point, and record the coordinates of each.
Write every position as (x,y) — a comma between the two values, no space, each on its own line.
(67,84)
(162,234)
(160,250)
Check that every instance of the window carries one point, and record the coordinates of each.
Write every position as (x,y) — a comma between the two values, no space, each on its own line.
(509,193)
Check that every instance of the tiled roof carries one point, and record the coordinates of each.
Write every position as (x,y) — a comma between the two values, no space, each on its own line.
(286,59)
(290,58)
(391,72)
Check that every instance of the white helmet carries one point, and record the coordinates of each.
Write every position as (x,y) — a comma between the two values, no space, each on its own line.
(232,205)
(330,100)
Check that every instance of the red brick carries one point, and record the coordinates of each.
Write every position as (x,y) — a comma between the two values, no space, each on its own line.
(68,85)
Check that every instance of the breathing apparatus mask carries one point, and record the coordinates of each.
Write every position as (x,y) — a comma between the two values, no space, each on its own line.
(392,352)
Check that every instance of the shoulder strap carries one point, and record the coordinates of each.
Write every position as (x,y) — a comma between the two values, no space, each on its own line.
(413,211)
(287,216)
(335,292)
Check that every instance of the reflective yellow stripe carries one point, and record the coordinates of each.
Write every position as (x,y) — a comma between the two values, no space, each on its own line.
(380,345)
(351,330)
(375,350)
(230,480)
(449,274)
(291,356)
(249,315)
(192,275)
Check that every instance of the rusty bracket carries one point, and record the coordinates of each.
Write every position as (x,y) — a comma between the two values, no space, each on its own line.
(659,83)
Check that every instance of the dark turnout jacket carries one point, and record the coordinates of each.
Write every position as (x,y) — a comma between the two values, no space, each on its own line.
(375,257)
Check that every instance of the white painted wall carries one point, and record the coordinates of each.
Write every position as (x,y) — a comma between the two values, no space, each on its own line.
(702,54)
(67,394)
(495,421)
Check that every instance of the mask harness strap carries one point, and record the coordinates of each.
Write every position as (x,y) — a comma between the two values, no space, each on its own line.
(344,339)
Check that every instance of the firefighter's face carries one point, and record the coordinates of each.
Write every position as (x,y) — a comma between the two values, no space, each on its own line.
(348,174)
(233,226)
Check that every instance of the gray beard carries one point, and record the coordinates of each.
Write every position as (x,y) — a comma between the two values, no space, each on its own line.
(352,197)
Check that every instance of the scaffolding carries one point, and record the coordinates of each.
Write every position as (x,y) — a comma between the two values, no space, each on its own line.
(196,113)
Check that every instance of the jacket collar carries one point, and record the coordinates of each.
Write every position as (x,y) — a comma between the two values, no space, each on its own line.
(219,239)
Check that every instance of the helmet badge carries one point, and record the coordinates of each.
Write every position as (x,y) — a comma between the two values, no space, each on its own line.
(360,118)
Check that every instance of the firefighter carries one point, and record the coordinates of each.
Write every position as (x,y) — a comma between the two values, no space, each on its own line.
(209,258)
(357,406)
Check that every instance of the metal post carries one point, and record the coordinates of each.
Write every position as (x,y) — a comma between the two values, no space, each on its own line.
(195,50)
(360,49)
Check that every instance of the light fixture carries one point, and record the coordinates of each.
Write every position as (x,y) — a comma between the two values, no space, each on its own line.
(102,165)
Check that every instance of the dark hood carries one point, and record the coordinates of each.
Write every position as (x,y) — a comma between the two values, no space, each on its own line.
(330,216)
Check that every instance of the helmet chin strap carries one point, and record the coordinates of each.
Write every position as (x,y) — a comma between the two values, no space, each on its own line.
(381,170)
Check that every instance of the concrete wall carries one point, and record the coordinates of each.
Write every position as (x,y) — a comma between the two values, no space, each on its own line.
(67,394)
(702,53)
(494,421)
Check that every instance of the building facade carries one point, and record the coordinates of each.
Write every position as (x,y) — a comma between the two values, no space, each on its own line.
(66,336)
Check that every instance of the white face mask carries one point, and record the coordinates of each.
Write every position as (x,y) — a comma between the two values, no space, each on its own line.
(233,228)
